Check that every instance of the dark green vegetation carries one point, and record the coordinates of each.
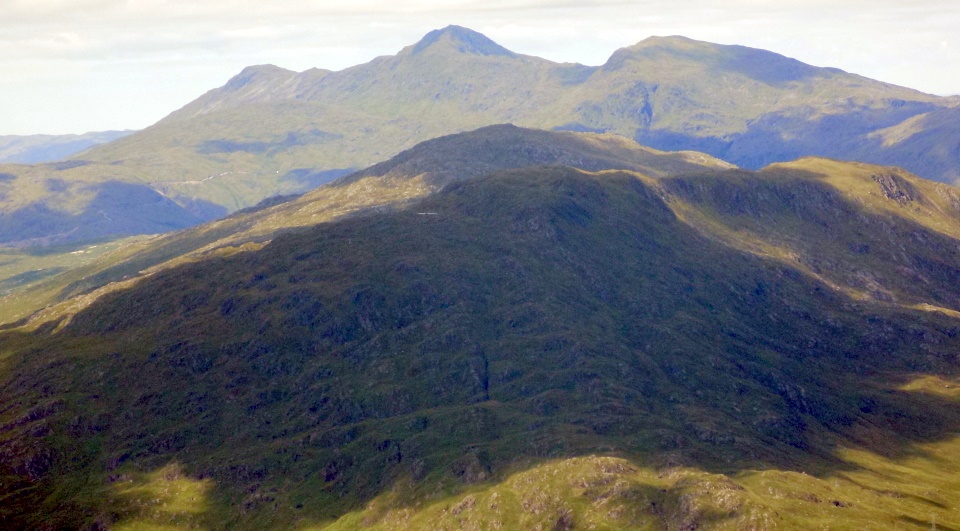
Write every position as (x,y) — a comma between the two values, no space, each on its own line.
(410,175)
(272,131)
(686,346)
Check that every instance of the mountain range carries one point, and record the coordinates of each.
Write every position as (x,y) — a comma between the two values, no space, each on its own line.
(696,287)
(271,131)
(509,328)
(35,149)
(419,171)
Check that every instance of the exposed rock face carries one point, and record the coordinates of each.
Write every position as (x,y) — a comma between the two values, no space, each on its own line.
(895,188)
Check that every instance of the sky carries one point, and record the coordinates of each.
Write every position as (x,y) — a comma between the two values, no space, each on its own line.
(71,66)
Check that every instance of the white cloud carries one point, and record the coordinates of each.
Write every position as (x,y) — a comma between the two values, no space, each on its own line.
(72,65)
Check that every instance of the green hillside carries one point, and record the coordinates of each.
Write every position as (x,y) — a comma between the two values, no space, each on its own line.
(270,131)
(544,346)
(926,143)
(416,172)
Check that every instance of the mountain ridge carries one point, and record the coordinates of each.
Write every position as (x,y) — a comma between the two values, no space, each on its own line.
(414,173)
(431,165)
(545,320)
(271,131)
(503,328)
(752,61)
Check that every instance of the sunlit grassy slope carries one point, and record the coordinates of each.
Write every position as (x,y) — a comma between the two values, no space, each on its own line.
(33,278)
(703,347)
(271,131)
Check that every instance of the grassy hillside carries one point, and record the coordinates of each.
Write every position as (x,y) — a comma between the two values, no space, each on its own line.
(31,279)
(272,131)
(416,172)
(543,346)
(926,143)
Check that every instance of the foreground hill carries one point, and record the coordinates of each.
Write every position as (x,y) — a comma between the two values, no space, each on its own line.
(272,131)
(410,175)
(542,346)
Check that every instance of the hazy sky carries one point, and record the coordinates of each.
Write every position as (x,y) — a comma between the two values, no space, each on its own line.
(69,66)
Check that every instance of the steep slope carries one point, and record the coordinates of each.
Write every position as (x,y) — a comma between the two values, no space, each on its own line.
(272,131)
(467,358)
(419,171)
(874,233)
(928,143)
(754,107)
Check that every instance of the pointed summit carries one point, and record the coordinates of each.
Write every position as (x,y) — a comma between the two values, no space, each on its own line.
(462,40)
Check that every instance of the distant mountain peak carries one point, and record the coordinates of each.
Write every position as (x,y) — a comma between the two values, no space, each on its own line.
(675,40)
(673,45)
(762,65)
(463,40)
(255,73)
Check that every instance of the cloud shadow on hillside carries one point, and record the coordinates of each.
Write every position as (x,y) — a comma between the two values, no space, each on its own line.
(117,209)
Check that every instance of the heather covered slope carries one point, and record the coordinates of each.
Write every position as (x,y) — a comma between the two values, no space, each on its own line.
(271,131)
(465,359)
(416,172)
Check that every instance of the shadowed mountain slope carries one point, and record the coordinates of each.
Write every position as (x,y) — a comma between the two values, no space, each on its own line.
(537,346)
(272,131)
(929,144)
(34,149)
(419,171)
